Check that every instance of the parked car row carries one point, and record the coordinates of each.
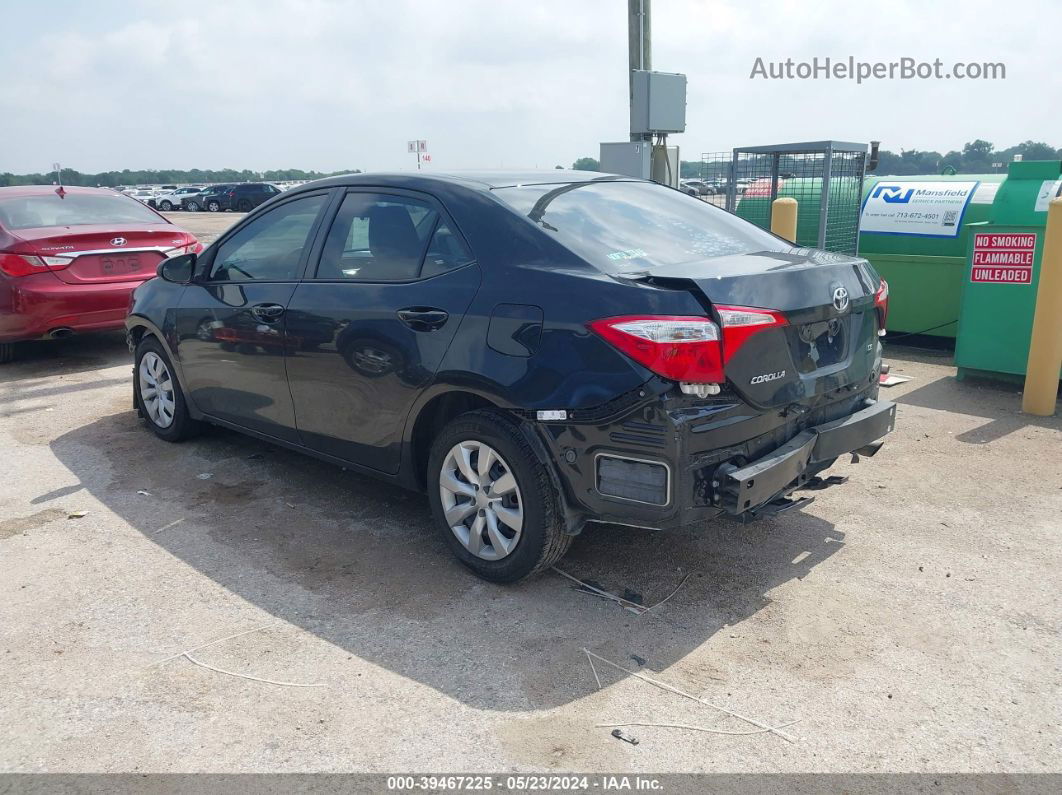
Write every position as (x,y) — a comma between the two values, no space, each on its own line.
(240,197)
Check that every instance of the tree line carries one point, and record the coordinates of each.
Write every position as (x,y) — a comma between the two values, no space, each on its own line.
(976,157)
(126,177)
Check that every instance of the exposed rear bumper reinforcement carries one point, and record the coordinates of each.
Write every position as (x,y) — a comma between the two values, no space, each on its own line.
(761,482)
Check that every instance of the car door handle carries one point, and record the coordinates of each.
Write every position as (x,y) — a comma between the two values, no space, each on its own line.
(267,313)
(423,318)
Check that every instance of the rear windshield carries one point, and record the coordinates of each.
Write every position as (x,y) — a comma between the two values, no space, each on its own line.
(626,227)
(75,209)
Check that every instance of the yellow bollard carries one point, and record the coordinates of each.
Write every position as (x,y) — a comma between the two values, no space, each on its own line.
(784,218)
(1045,348)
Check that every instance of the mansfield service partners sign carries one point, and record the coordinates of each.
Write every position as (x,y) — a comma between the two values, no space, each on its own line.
(925,209)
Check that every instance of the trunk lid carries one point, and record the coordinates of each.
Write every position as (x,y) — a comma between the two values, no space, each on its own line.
(830,339)
(103,253)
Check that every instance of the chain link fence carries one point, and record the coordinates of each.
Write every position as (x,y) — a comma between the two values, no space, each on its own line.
(825,178)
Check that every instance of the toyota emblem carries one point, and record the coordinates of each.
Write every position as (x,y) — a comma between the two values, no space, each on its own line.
(118,241)
(840,299)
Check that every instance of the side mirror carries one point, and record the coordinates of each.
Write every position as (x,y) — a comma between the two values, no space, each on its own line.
(177,269)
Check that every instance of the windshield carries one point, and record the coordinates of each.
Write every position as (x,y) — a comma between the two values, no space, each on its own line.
(627,227)
(75,209)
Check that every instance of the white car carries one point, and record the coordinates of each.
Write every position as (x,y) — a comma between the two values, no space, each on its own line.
(171,200)
(140,194)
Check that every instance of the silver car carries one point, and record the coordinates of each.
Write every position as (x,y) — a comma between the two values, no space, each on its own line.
(172,199)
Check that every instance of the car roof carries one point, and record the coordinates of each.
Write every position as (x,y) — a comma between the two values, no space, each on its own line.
(41,190)
(484,180)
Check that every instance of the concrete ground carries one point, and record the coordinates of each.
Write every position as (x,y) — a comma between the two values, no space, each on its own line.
(909,620)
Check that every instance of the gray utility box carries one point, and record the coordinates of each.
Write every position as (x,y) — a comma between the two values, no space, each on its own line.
(659,103)
(629,158)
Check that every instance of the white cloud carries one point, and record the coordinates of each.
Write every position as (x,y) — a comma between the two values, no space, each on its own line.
(322,84)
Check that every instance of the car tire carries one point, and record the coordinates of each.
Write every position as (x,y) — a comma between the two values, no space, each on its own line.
(153,368)
(478,535)
(193,206)
(213,207)
(7,352)
(166,206)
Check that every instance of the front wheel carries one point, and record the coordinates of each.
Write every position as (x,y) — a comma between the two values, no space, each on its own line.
(166,206)
(193,207)
(493,500)
(159,397)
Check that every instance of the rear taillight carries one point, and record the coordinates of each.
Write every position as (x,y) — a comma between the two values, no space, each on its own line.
(881,303)
(740,323)
(676,347)
(26,264)
(686,349)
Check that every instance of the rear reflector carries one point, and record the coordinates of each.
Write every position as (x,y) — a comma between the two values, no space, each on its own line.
(25,264)
(631,479)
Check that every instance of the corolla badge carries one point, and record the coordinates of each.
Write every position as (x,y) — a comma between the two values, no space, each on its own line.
(840,299)
(766,377)
(118,241)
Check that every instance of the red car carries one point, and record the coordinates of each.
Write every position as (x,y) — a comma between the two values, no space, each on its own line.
(70,257)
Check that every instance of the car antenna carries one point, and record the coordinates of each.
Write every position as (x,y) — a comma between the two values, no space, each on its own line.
(60,191)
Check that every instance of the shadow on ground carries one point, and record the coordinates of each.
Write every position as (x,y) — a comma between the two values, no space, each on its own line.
(78,354)
(999,402)
(358,564)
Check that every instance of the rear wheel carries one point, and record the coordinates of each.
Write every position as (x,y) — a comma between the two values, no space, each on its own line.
(213,206)
(492,499)
(7,352)
(158,394)
(193,206)
(166,206)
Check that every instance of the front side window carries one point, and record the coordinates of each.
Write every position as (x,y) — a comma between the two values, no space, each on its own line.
(377,238)
(270,247)
(625,227)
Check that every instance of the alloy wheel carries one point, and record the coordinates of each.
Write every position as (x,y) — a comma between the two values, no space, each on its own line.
(481,500)
(156,389)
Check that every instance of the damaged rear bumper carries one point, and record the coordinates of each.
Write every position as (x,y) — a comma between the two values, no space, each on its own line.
(760,482)
(676,462)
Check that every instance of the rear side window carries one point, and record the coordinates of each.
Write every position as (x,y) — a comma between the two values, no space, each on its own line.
(626,227)
(379,237)
(75,209)
(270,247)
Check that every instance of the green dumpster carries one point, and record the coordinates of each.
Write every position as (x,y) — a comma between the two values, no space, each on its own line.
(1002,272)
(913,231)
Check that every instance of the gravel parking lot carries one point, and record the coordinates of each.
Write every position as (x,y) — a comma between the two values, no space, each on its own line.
(908,620)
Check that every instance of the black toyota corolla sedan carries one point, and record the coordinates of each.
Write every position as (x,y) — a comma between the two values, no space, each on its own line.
(534,350)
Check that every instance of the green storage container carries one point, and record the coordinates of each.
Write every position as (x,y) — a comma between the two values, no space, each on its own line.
(1001,272)
(925,271)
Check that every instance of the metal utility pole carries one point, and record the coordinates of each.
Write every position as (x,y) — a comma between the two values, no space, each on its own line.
(639,47)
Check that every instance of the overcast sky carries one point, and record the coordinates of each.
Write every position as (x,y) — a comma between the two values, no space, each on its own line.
(328,85)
